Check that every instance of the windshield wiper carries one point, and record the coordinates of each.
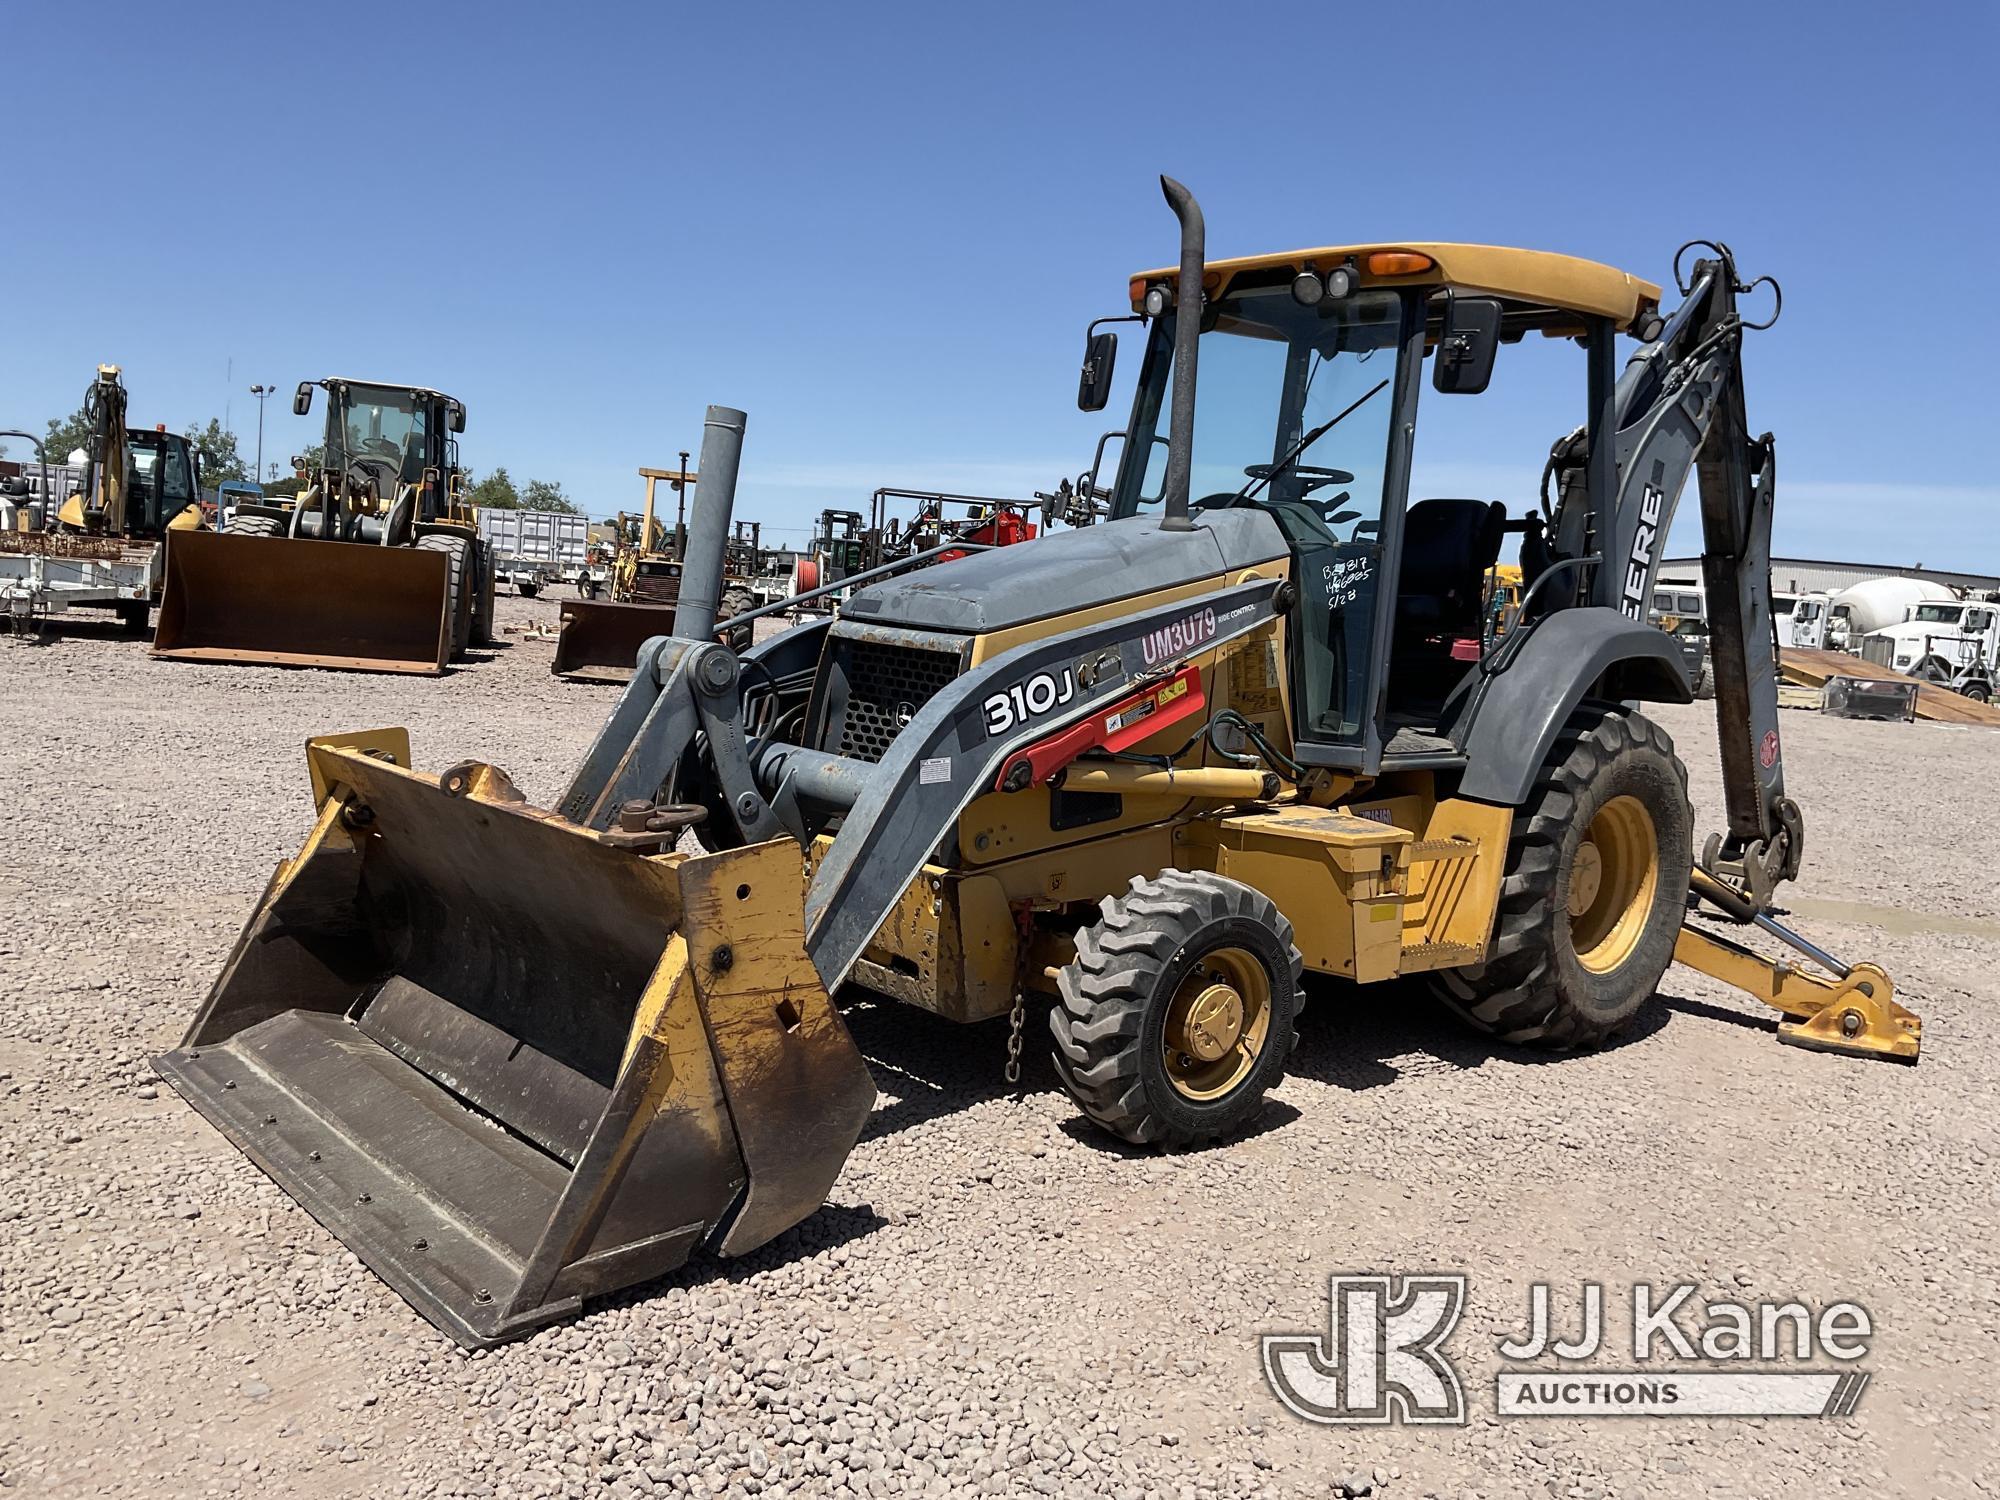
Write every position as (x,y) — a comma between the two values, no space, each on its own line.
(1306,442)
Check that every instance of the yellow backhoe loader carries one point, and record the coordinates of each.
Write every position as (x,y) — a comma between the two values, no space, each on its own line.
(1254,723)
(600,638)
(99,548)
(377,566)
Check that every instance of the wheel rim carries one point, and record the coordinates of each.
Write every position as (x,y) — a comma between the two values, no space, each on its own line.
(1216,1023)
(1613,877)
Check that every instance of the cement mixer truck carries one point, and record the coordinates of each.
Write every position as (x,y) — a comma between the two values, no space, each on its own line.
(1838,621)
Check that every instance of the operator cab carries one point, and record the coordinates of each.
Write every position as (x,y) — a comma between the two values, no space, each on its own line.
(383,445)
(1309,373)
(163,479)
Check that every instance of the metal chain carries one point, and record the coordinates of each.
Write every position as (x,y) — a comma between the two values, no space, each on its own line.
(1015,1021)
(1024,926)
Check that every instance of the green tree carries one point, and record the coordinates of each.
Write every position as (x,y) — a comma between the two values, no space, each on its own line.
(495,492)
(219,458)
(66,435)
(547,494)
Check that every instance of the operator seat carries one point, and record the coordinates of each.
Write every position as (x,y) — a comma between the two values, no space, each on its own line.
(1448,548)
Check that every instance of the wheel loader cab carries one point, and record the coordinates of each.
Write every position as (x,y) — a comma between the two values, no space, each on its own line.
(1308,411)
(394,435)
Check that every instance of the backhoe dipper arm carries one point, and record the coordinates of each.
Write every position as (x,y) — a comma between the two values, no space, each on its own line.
(1679,405)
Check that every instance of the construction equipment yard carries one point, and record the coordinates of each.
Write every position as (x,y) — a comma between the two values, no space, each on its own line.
(997,1297)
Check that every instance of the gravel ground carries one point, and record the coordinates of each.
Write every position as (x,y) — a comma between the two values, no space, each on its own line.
(994,1300)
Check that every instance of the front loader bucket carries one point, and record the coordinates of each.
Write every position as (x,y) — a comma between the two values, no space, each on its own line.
(511,1065)
(303,603)
(602,640)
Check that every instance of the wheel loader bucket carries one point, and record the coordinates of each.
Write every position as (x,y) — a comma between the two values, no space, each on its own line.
(303,603)
(602,640)
(511,1064)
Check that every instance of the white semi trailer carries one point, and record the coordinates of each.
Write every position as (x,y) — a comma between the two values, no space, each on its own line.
(533,549)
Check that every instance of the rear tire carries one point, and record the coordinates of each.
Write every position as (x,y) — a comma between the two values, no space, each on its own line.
(1595,885)
(528,590)
(458,567)
(1978,692)
(1180,967)
(253,526)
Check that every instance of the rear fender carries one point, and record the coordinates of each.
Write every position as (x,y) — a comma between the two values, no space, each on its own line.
(1565,657)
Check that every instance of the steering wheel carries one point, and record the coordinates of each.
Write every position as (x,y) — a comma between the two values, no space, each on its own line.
(1314,476)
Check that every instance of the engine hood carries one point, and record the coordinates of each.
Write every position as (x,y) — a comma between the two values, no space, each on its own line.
(1068,570)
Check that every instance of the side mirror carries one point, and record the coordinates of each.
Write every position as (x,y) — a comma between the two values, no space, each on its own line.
(1100,355)
(302,399)
(455,414)
(1465,352)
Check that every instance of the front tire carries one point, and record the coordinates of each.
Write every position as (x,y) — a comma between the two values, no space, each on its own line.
(253,526)
(1595,886)
(458,572)
(734,602)
(489,588)
(1179,1009)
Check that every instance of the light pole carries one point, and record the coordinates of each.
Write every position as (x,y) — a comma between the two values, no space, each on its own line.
(263,393)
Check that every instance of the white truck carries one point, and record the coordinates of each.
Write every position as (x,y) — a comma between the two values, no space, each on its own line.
(1838,621)
(533,549)
(1940,641)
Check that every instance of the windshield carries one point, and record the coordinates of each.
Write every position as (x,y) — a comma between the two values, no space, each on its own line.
(382,424)
(1939,614)
(1271,371)
(1294,404)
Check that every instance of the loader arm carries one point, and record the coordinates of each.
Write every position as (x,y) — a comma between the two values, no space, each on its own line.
(1679,406)
(948,754)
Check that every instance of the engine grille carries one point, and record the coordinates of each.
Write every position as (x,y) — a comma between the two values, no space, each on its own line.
(885,686)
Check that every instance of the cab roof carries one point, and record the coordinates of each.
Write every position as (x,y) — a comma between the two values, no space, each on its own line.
(1538,278)
(384,385)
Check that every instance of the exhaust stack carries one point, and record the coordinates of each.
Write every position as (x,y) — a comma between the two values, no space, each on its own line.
(708,530)
(1187,331)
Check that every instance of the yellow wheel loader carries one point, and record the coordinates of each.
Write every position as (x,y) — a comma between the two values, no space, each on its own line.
(601,638)
(376,566)
(101,547)
(1255,723)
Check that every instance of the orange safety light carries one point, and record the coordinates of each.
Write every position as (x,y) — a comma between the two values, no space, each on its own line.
(1398,263)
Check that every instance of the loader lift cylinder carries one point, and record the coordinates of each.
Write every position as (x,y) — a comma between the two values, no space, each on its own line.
(708,533)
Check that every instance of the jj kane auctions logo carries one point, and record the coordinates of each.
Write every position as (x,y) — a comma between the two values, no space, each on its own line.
(1382,1357)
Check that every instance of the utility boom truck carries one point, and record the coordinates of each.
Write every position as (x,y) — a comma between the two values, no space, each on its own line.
(1144,774)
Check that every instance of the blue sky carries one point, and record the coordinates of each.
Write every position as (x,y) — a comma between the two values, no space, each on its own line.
(881,229)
